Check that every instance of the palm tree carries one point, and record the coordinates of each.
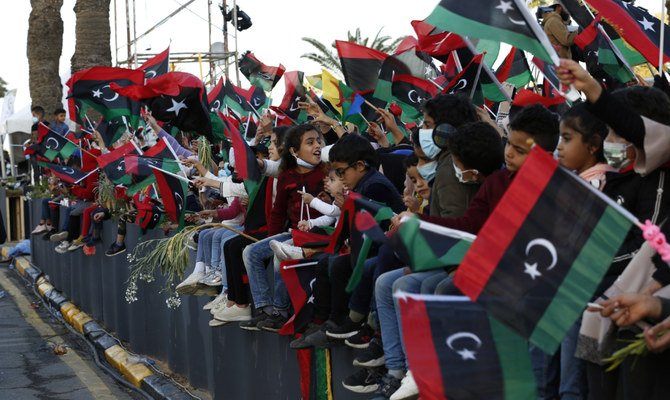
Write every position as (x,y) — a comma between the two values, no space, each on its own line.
(44,47)
(329,59)
(92,32)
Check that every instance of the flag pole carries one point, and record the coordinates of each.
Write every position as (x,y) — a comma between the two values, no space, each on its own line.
(309,264)
(364,119)
(181,178)
(490,73)
(661,44)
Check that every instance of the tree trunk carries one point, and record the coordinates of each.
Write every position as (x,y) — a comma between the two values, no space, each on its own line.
(92,34)
(45,44)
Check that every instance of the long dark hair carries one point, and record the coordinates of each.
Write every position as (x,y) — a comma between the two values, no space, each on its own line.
(293,140)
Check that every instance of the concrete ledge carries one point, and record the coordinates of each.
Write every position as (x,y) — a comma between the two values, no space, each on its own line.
(71,313)
(43,288)
(116,356)
(160,388)
(33,273)
(21,264)
(92,329)
(79,319)
(135,373)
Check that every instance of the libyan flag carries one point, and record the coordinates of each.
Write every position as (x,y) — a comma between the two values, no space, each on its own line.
(54,144)
(246,165)
(360,65)
(507,21)
(598,47)
(157,65)
(468,81)
(113,163)
(68,174)
(294,93)
(176,97)
(161,155)
(410,93)
(543,251)
(259,74)
(93,88)
(299,277)
(456,350)
(110,130)
(173,191)
(425,246)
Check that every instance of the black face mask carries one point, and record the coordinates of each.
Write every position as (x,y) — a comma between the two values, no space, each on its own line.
(565,16)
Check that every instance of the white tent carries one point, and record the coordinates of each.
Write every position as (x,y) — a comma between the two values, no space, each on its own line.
(22,120)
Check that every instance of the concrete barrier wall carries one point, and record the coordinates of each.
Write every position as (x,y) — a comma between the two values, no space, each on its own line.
(226,361)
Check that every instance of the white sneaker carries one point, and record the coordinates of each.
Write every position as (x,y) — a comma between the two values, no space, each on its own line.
(62,247)
(285,251)
(218,299)
(190,284)
(215,322)
(407,390)
(40,229)
(57,237)
(234,313)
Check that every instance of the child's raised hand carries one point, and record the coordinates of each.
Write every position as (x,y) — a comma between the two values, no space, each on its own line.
(412,203)
(303,226)
(571,73)
(306,197)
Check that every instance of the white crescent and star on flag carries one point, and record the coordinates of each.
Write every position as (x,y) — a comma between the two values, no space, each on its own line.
(465,352)
(531,269)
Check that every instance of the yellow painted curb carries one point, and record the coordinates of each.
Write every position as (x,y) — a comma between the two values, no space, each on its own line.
(135,372)
(21,265)
(41,280)
(43,288)
(4,251)
(78,321)
(71,313)
(66,307)
(116,356)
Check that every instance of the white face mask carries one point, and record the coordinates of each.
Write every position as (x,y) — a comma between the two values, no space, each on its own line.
(459,174)
(427,144)
(427,170)
(304,163)
(35,120)
(615,153)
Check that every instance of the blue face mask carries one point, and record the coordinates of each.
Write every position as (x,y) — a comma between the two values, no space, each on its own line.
(35,120)
(304,163)
(428,170)
(427,144)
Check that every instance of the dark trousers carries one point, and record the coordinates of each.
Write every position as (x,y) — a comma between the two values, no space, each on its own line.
(238,286)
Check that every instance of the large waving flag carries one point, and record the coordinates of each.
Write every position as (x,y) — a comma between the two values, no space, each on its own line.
(456,350)
(364,233)
(424,246)
(246,165)
(259,74)
(541,254)
(92,87)
(161,155)
(507,21)
(515,69)
(360,65)
(110,130)
(243,101)
(178,98)
(639,28)
(157,65)
(468,81)
(410,62)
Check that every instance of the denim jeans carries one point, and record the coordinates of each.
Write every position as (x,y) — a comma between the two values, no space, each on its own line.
(389,314)
(220,237)
(573,370)
(255,257)
(546,369)
(46,212)
(204,252)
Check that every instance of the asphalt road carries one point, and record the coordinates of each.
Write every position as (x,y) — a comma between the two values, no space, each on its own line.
(29,369)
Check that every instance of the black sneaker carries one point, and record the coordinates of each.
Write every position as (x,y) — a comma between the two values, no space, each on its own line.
(373,356)
(252,324)
(387,386)
(361,340)
(48,235)
(364,380)
(273,323)
(299,343)
(320,339)
(348,329)
(115,249)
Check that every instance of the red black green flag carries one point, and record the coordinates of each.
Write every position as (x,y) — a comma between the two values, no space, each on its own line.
(525,97)
(360,64)
(110,130)
(515,69)
(299,277)
(54,144)
(410,93)
(457,351)
(178,98)
(93,88)
(468,81)
(173,191)
(636,26)
(114,164)
(157,65)
(410,62)
(246,165)
(259,74)
(161,155)
(364,233)
(293,94)
(149,215)
(541,254)
(76,110)
(424,246)
(507,21)
(551,83)
(599,49)
(68,174)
